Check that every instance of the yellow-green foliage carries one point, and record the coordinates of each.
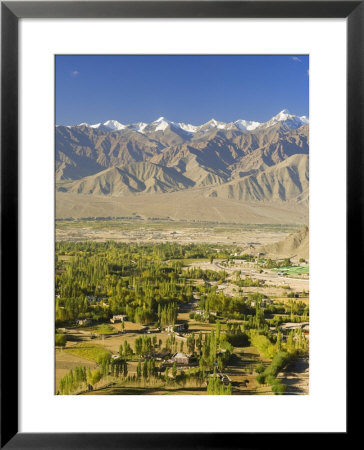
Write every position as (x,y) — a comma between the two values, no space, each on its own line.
(74,380)
(269,375)
(216,387)
(263,344)
(103,329)
(91,352)
(61,340)
(94,376)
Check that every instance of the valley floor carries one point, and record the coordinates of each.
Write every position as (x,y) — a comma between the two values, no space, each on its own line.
(248,237)
(188,205)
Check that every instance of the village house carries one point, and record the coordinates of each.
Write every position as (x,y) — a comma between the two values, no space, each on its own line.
(84,321)
(118,318)
(263,303)
(181,358)
(295,326)
(176,327)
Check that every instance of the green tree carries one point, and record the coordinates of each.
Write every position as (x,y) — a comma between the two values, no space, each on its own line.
(139,369)
(278,388)
(259,368)
(61,340)
(174,370)
(145,369)
(166,375)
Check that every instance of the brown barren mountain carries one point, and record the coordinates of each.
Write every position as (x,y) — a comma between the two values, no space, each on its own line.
(212,174)
(295,246)
(288,180)
(129,179)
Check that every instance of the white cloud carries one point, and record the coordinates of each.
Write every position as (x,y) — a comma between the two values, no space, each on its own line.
(296,59)
(75,73)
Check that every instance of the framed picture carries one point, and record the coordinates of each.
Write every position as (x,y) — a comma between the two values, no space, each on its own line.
(177,196)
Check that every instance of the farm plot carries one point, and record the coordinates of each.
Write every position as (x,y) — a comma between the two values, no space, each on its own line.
(295,270)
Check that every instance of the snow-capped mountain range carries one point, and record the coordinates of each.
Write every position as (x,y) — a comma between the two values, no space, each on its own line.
(290,121)
(216,162)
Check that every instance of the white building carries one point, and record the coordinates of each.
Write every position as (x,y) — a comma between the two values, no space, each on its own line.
(118,318)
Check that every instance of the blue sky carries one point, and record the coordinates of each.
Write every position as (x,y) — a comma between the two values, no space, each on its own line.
(189,88)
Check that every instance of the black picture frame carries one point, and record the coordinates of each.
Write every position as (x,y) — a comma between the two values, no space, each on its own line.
(11,12)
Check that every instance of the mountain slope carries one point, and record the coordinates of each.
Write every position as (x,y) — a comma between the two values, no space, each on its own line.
(286,181)
(225,156)
(295,245)
(237,163)
(133,178)
(221,151)
(83,151)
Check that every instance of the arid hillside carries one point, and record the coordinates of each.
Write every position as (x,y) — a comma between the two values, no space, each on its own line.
(241,172)
(295,245)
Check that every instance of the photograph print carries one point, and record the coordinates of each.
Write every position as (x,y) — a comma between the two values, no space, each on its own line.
(181,225)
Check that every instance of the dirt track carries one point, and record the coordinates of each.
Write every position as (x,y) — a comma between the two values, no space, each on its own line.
(271,279)
(296,377)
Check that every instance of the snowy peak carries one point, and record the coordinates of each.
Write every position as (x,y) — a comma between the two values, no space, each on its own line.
(213,123)
(282,116)
(304,120)
(161,124)
(138,126)
(288,120)
(284,113)
(248,125)
(187,127)
(114,125)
